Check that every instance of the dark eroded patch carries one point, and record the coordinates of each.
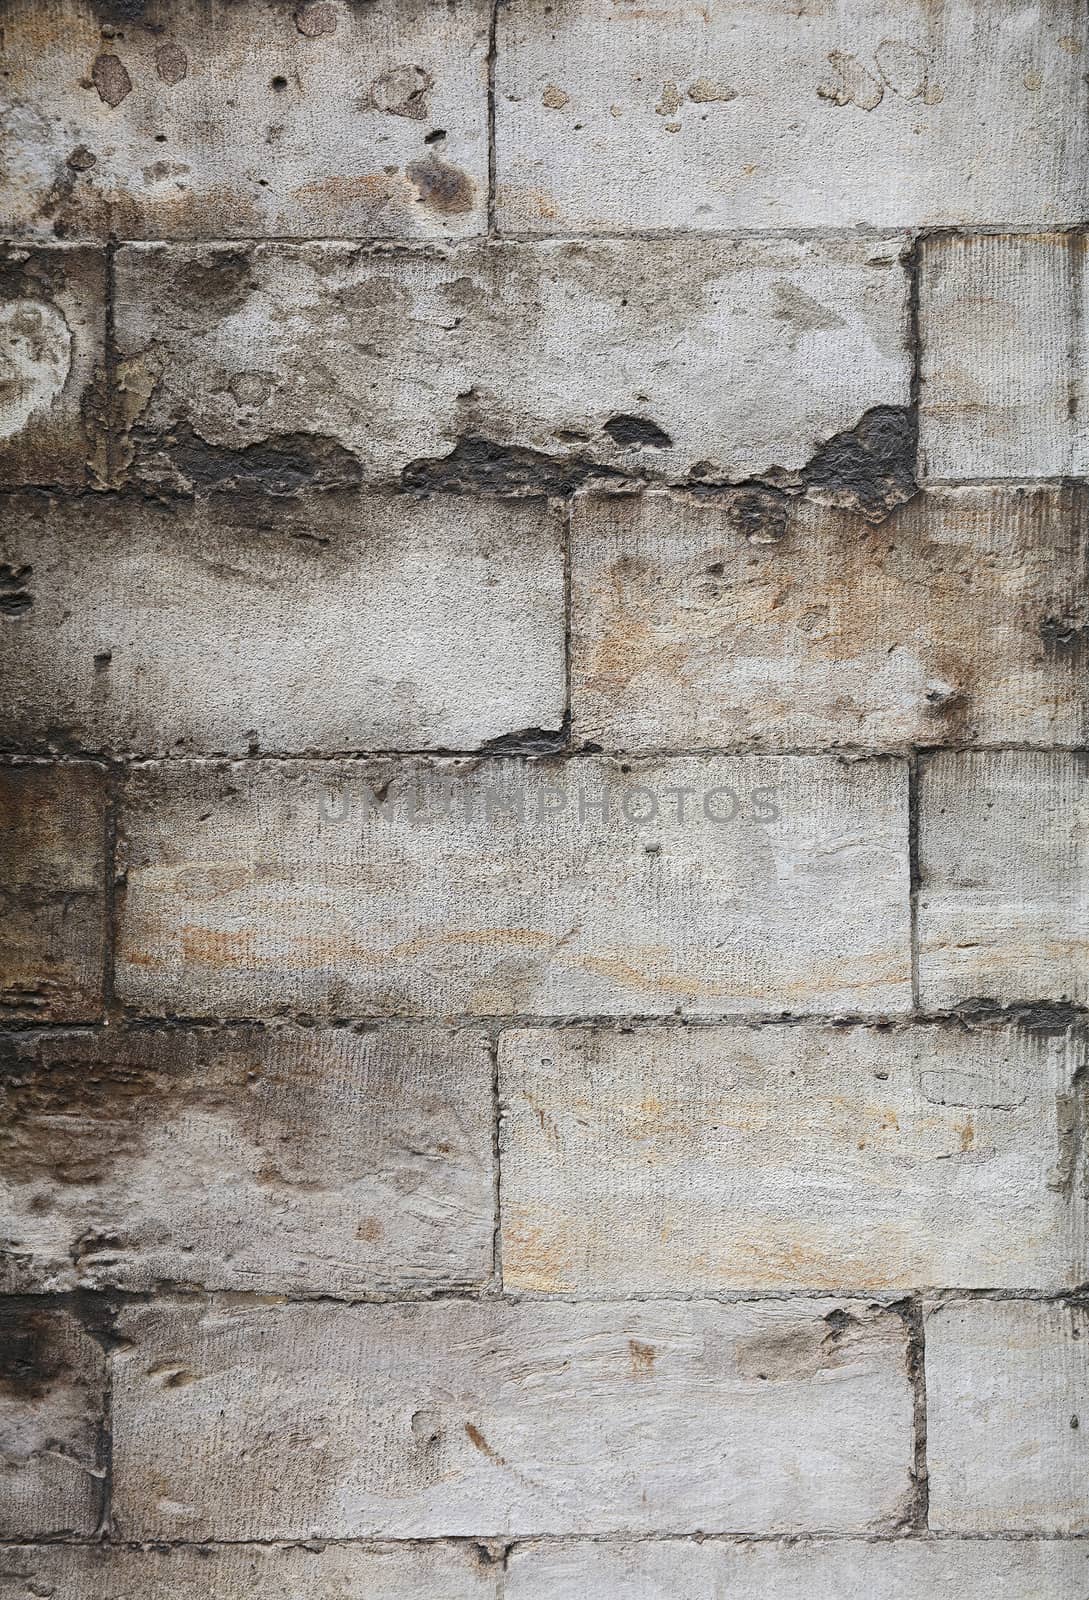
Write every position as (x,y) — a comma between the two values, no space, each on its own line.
(15,598)
(71,1118)
(32,1355)
(110,77)
(869,468)
(281,466)
(482,466)
(638,432)
(440,186)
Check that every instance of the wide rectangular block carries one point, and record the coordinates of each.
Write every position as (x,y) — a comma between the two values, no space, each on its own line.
(401,1421)
(759,114)
(723,357)
(53,884)
(1005,368)
(747,619)
(798,1569)
(1007,1398)
(52,1420)
(785,1158)
(1004,868)
(507,886)
(52,369)
(287,1161)
(178,120)
(341,623)
(233,1572)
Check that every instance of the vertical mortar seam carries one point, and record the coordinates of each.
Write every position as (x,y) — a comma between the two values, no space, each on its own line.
(913,880)
(493,35)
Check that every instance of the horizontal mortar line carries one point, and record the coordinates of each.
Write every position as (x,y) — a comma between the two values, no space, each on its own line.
(865,231)
(133,762)
(1027,1013)
(133,491)
(509,1542)
(166,1293)
(1068,480)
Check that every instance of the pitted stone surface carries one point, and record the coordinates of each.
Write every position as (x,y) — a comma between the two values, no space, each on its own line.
(341,623)
(1005,366)
(696,886)
(746,619)
(52,1418)
(669,1161)
(53,884)
(1007,1394)
(177,120)
(758,114)
(236,1572)
(288,1160)
(1004,863)
(325,1421)
(53,395)
(801,1569)
(745,355)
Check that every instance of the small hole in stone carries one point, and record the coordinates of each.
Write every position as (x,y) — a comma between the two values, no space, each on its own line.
(279,83)
(435,136)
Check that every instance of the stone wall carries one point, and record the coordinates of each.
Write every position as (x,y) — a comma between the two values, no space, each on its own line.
(544,825)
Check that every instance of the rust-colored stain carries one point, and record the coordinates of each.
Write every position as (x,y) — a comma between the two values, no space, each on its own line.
(478,1441)
(642,1357)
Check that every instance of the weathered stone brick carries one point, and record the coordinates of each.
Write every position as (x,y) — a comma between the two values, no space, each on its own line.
(52,1407)
(52,351)
(288,1161)
(455,1417)
(1007,1395)
(791,1157)
(756,114)
(52,879)
(798,1569)
(1004,859)
(745,619)
(1004,362)
(174,120)
(510,886)
(336,624)
(225,1572)
(451,366)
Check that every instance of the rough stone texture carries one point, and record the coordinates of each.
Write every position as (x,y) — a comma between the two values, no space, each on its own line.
(445,888)
(841,1569)
(406,1421)
(52,377)
(52,1410)
(748,620)
(1007,1398)
(336,624)
(1004,859)
(52,886)
(182,120)
(745,354)
(759,114)
(335,1572)
(1004,362)
(790,1158)
(290,1161)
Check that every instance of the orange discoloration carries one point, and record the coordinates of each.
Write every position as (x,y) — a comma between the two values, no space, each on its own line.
(643,1357)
